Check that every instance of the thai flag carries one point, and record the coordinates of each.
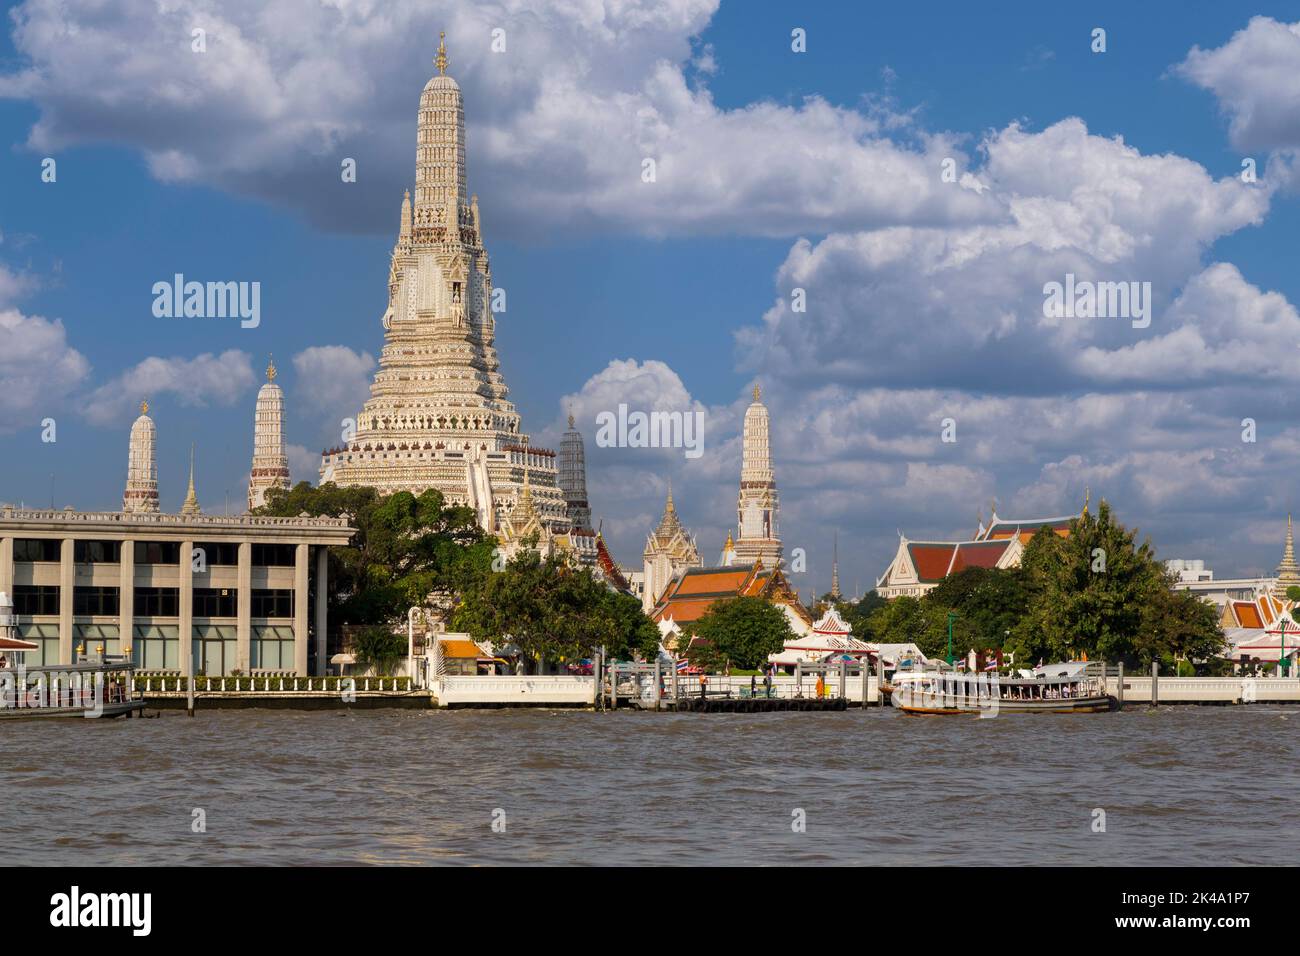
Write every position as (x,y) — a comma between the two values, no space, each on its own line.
(683,665)
(992,665)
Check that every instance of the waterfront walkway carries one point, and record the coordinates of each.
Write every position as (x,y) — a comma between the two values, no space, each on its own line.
(723,694)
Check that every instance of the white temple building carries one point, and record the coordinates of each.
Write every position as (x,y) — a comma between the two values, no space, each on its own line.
(831,639)
(756,506)
(270,463)
(438,414)
(669,551)
(141,494)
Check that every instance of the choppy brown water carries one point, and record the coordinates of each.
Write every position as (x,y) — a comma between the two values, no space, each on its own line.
(1179,785)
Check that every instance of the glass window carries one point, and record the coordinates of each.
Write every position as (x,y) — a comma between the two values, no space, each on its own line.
(273,555)
(157,602)
(216,602)
(220,552)
(34,599)
(97,552)
(215,649)
(37,549)
(272,648)
(47,636)
(156,647)
(276,602)
(157,552)
(88,601)
(90,638)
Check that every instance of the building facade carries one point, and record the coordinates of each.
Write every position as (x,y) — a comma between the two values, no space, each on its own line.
(236,587)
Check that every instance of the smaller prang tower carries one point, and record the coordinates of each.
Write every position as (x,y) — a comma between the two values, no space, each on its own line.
(270,463)
(756,507)
(141,495)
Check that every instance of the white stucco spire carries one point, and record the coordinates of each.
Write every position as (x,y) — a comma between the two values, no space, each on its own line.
(270,462)
(757,505)
(440,149)
(438,414)
(141,495)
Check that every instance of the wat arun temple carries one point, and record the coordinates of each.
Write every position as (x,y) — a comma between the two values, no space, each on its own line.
(439,415)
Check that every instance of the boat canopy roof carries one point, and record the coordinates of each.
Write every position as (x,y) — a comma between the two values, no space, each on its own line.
(1068,669)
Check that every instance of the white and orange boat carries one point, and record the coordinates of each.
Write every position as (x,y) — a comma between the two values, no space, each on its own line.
(1074,687)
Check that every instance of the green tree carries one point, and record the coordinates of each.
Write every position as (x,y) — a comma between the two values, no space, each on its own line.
(1178,626)
(744,630)
(1098,592)
(907,620)
(407,550)
(380,647)
(989,602)
(553,611)
(858,613)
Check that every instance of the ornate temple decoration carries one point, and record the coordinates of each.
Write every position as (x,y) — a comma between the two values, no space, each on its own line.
(191,505)
(757,505)
(1288,572)
(573,477)
(270,463)
(669,550)
(438,415)
(141,495)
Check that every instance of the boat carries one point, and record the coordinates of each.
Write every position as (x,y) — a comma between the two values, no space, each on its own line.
(103,688)
(97,685)
(1073,687)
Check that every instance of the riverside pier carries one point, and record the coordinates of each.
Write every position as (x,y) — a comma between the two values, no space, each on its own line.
(636,690)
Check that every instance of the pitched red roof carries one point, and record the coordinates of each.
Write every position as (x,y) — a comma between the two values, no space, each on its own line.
(931,560)
(608,567)
(979,554)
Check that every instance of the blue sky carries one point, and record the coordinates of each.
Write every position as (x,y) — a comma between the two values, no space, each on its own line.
(778,168)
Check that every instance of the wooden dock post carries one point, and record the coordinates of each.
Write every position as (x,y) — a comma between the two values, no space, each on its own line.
(798,680)
(613,685)
(1155,683)
(676,690)
(844,679)
(598,675)
(1119,686)
(189,689)
(658,678)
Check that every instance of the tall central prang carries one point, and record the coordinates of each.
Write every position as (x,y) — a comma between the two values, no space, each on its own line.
(438,414)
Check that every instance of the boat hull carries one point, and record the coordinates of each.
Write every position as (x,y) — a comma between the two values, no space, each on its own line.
(125,709)
(938,706)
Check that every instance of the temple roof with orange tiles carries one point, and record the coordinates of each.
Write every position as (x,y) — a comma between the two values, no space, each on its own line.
(695,590)
(920,565)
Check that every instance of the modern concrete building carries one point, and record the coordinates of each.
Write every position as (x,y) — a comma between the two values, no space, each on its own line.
(237,587)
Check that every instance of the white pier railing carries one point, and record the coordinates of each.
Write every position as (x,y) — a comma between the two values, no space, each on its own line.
(1208,690)
(557,689)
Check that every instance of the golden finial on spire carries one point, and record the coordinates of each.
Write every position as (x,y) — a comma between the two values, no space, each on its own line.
(144,407)
(571,419)
(757,393)
(270,368)
(668,505)
(441,59)
(1087,497)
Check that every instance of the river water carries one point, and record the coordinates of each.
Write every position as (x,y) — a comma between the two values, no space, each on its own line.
(1178,785)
